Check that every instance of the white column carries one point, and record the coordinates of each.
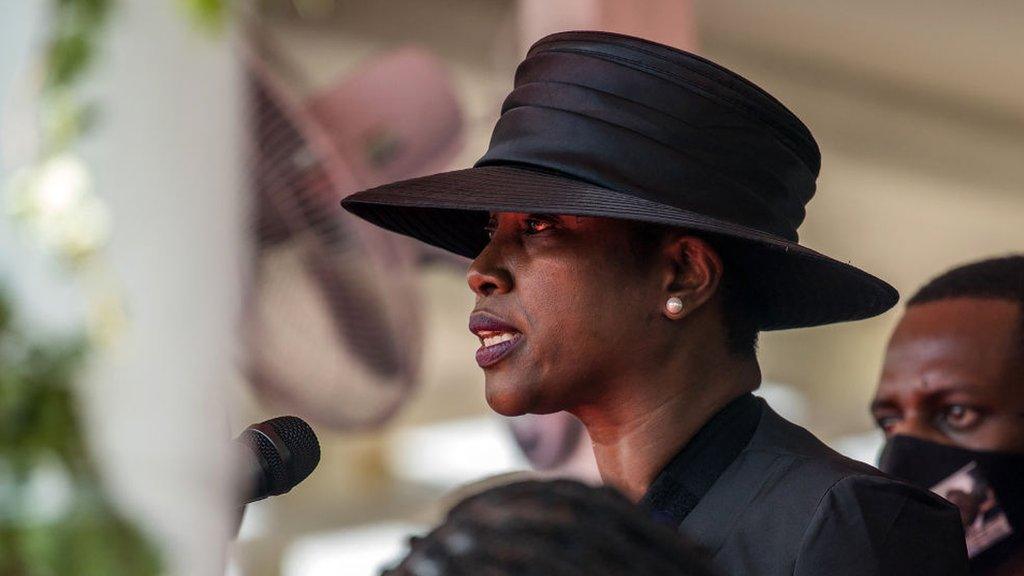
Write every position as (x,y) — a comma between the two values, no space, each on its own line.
(167,155)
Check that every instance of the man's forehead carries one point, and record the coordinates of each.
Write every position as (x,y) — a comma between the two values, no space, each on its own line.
(978,321)
(963,335)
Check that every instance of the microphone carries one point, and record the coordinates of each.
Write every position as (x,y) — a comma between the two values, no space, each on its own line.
(276,455)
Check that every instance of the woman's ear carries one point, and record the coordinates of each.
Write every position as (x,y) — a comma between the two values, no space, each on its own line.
(692,274)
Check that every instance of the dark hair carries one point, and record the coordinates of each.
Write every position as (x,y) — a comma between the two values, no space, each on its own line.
(738,307)
(995,278)
(550,528)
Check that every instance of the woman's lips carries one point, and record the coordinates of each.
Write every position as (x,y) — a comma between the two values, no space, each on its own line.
(497,338)
(489,355)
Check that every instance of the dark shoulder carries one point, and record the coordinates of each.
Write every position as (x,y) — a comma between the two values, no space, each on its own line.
(804,450)
(789,501)
(813,472)
(870,524)
(826,480)
(812,502)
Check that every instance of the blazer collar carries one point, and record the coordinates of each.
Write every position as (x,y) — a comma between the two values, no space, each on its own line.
(736,488)
(684,481)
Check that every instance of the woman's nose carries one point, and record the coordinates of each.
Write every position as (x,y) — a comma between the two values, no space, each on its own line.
(487,275)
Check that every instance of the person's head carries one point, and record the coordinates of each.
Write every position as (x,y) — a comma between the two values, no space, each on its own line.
(550,528)
(954,368)
(584,300)
(622,130)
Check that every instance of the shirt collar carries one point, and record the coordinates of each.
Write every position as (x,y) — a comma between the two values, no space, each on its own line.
(676,491)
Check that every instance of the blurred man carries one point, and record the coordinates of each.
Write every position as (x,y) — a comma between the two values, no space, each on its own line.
(951,403)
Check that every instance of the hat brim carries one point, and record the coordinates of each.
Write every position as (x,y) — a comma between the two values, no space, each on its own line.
(793,286)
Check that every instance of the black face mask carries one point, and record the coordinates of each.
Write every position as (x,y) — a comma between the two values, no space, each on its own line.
(988,487)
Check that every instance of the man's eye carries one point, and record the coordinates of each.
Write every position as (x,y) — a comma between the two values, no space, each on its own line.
(959,417)
(887,423)
(535,225)
(490,228)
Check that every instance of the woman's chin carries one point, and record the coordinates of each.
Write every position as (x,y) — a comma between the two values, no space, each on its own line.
(508,400)
(506,406)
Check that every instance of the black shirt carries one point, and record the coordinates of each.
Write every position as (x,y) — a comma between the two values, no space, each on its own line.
(764,497)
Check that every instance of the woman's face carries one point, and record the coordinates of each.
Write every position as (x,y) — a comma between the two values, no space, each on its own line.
(564,309)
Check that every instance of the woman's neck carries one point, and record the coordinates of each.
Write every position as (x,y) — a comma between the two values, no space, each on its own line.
(639,428)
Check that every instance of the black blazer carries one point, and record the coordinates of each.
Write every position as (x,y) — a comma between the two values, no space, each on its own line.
(789,505)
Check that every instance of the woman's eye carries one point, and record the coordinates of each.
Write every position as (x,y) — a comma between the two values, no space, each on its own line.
(535,225)
(959,417)
(490,228)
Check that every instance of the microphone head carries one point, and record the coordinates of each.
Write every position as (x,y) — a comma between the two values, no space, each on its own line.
(288,449)
(301,441)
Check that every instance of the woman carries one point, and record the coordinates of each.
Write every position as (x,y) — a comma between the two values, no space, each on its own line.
(633,226)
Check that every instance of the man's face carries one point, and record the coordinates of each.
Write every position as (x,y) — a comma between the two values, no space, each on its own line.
(954,374)
(563,309)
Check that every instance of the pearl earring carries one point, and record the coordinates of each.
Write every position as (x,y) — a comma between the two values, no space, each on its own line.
(674,305)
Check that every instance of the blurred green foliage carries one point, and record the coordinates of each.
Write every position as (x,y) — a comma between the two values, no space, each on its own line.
(208,14)
(72,47)
(55,518)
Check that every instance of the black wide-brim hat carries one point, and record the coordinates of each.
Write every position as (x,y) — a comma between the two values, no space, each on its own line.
(601,124)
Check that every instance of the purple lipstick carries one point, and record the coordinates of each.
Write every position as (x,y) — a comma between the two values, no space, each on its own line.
(497,338)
